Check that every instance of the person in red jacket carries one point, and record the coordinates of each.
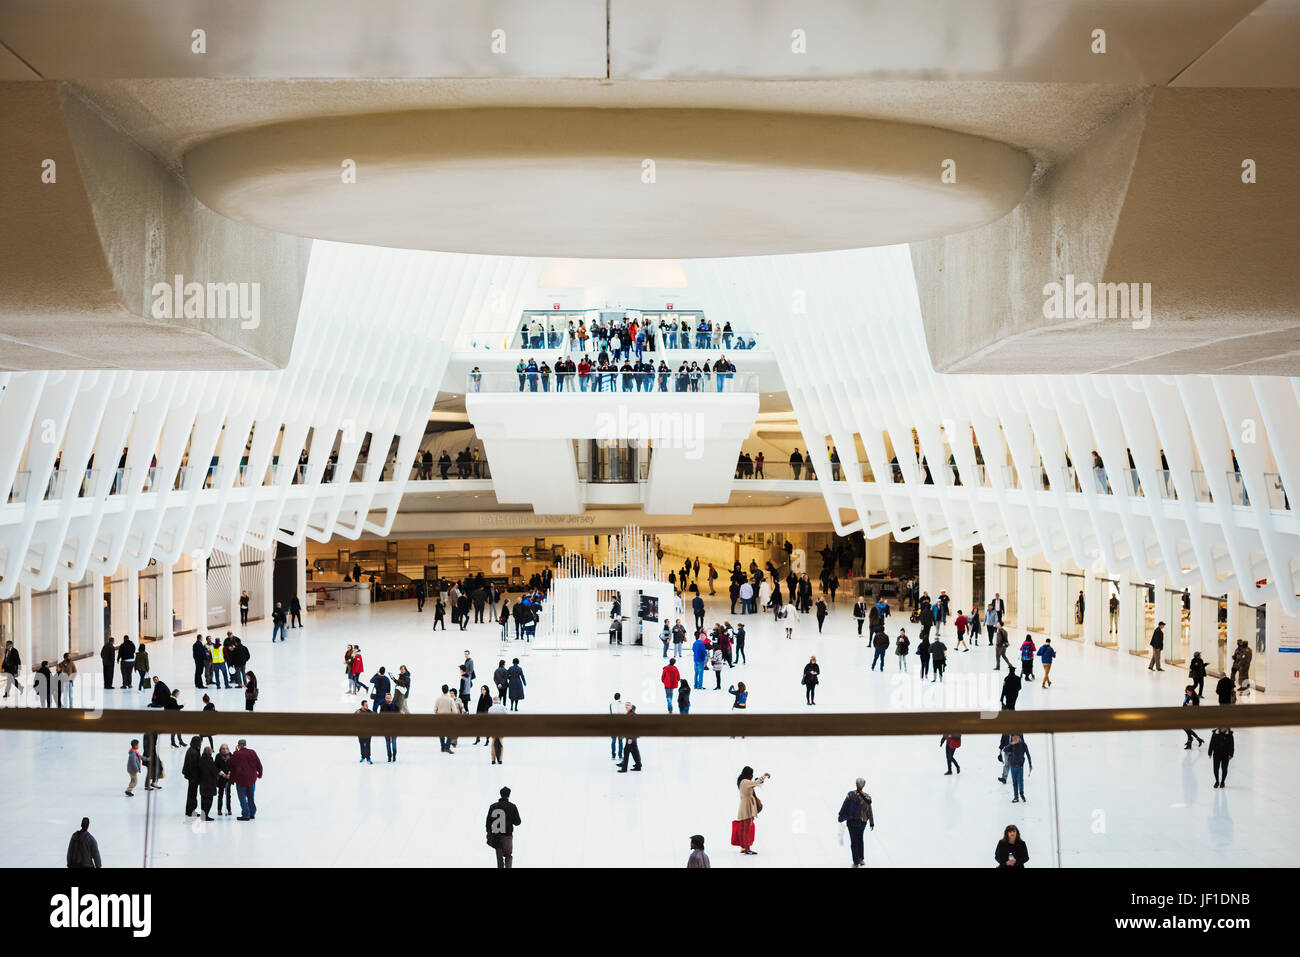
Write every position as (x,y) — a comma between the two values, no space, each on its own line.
(358,669)
(245,769)
(671,678)
(961,623)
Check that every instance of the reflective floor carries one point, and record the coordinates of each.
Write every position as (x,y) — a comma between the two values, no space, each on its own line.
(1123,799)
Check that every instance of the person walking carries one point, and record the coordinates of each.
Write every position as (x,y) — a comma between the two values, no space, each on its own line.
(950,743)
(716,661)
(483,706)
(278,620)
(1000,644)
(901,646)
(923,654)
(821,614)
(1014,757)
(126,659)
(134,763)
(1220,751)
(1027,650)
(743,828)
(856,814)
(962,623)
(364,741)
(386,706)
(1191,700)
(631,752)
(515,682)
(1048,654)
(811,675)
(245,771)
(617,708)
(295,612)
(1196,670)
(1157,646)
(498,749)
(1010,691)
(83,850)
(670,678)
(1011,850)
(447,703)
(938,658)
(141,666)
(881,643)
(502,819)
(698,858)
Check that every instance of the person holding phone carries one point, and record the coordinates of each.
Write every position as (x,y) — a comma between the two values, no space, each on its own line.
(1011,850)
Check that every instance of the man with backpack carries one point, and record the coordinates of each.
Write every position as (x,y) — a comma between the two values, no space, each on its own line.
(856,813)
(83,850)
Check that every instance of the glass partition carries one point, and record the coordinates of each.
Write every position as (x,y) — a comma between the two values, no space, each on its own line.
(1076,605)
(1108,636)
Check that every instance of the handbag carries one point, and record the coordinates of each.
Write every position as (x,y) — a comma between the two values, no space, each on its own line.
(758,803)
(146,682)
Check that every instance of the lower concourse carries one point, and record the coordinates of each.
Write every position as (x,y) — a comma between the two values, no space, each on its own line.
(1132,799)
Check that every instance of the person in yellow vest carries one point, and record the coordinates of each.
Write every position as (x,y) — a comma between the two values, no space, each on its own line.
(219,672)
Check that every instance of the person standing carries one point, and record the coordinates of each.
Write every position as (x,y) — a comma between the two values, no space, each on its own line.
(1048,654)
(278,619)
(1226,691)
(466,688)
(698,858)
(502,819)
(439,615)
(670,678)
(386,706)
(856,814)
(1157,646)
(483,706)
(821,614)
(199,652)
(1011,850)
(1220,751)
(295,612)
(902,645)
(67,671)
(684,697)
(141,664)
(1191,700)
(860,612)
(133,765)
(811,675)
(245,770)
(950,743)
(243,608)
(1027,650)
(1014,757)
(364,742)
(498,749)
(515,682)
(126,660)
(220,673)
(991,622)
(222,762)
(190,772)
(250,691)
(743,828)
(716,662)
(107,655)
(938,658)
(447,703)
(923,654)
(83,850)
(679,638)
(1241,659)
(1010,691)
(697,606)
(207,777)
(630,749)
(700,655)
(501,678)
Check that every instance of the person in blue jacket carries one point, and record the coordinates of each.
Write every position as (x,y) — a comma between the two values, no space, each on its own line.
(1048,654)
(700,654)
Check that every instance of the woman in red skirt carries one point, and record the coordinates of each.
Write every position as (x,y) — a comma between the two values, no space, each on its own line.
(742,829)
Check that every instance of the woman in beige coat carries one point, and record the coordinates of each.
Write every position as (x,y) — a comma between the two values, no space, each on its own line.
(750,805)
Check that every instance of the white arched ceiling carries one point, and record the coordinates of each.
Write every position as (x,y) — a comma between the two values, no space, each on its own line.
(847,333)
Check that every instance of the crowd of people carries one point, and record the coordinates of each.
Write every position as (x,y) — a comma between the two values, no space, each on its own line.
(628,336)
(606,374)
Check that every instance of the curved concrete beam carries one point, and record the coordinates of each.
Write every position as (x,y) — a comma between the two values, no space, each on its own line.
(613,183)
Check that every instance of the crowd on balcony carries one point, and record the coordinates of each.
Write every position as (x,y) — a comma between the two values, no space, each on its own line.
(607,375)
(629,335)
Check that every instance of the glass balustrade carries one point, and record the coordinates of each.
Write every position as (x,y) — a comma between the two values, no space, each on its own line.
(1237,494)
(1277,497)
(535,381)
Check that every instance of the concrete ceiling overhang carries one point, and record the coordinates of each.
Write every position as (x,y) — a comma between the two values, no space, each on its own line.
(617,183)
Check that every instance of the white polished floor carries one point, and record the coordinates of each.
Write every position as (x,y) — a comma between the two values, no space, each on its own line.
(1124,799)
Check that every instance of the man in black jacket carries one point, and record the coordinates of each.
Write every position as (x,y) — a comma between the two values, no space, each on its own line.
(12,664)
(107,655)
(126,659)
(1157,646)
(200,653)
(502,819)
(83,851)
(190,771)
(1010,690)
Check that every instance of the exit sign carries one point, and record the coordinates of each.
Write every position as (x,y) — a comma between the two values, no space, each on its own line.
(555,305)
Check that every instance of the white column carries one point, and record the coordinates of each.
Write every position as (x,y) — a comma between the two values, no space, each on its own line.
(1024,593)
(300,575)
(24,628)
(1129,613)
(132,615)
(165,603)
(990,579)
(1234,629)
(118,609)
(199,587)
(963,584)
(925,569)
(1058,603)
(236,586)
(61,624)
(268,582)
